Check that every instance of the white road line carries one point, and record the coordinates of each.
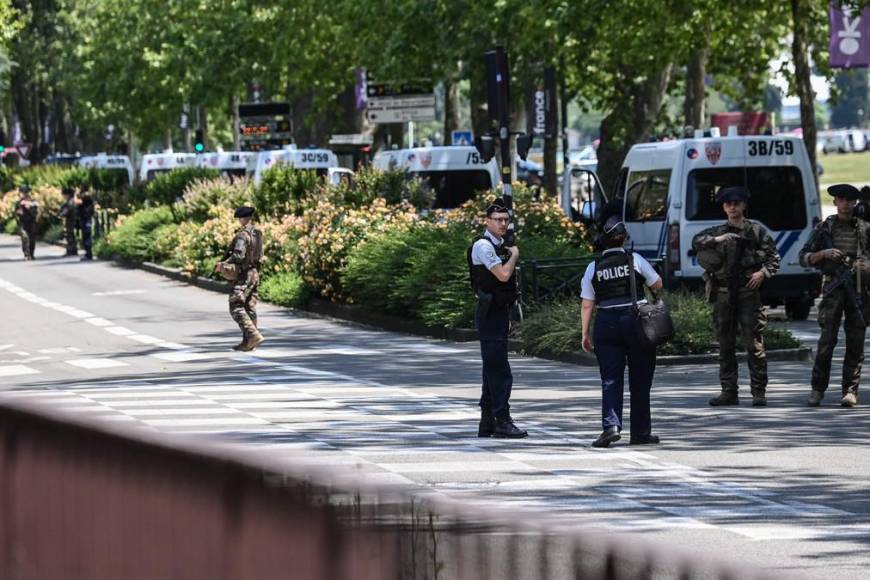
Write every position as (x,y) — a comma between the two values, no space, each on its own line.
(182,356)
(119,331)
(183,412)
(16,370)
(96,363)
(6,346)
(216,422)
(145,338)
(119,293)
(102,322)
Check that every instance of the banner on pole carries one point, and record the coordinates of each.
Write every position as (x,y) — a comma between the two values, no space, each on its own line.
(850,37)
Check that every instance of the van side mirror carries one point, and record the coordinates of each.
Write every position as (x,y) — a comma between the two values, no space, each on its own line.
(524,143)
(485,145)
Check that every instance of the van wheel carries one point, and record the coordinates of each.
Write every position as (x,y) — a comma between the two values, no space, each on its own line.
(798,309)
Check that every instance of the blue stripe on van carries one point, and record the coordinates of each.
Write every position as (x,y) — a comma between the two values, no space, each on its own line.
(788,240)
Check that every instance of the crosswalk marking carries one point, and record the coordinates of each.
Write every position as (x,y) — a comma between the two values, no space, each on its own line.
(96,363)
(16,370)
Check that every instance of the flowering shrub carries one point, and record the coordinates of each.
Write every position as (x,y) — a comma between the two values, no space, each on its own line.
(49,199)
(135,237)
(285,190)
(201,246)
(331,232)
(201,195)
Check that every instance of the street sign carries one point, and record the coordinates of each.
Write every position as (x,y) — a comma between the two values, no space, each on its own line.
(462,137)
(401,109)
(24,149)
(264,126)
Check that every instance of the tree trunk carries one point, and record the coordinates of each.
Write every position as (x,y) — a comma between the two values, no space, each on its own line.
(451,110)
(631,121)
(803,86)
(693,105)
(203,124)
(480,123)
(167,140)
(349,120)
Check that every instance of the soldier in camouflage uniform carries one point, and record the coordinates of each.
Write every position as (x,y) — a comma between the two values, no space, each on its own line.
(245,253)
(841,240)
(69,216)
(739,256)
(26,210)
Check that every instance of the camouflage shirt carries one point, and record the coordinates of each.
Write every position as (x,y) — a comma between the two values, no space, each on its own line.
(823,236)
(758,252)
(26,215)
(243,251)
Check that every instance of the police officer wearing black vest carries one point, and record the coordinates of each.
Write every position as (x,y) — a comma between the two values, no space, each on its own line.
(606,286)
(492,266)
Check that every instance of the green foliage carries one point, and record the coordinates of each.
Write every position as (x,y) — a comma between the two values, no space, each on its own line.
(167,188)
(285,289)
(10,227)
(54,233)
(555,327)
(285,190)
(135,237)
(202,195)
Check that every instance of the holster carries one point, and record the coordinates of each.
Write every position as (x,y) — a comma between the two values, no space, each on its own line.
(484,303)
(711,288)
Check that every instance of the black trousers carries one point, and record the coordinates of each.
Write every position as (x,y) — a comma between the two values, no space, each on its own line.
(497,377)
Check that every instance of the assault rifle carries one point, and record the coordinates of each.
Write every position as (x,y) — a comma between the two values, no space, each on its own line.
(844,277)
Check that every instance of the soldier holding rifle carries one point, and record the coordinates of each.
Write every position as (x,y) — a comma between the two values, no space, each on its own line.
(839,248)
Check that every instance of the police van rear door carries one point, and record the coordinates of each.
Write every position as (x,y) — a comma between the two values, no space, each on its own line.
(648,180)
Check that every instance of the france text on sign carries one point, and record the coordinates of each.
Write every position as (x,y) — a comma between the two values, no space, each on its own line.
(850,37)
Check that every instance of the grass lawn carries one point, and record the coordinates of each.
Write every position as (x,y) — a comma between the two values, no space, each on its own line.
(846,168)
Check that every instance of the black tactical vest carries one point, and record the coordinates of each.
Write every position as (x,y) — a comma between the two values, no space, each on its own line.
(611,280)
(482,280)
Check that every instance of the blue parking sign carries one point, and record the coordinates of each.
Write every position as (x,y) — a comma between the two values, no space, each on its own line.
(462,137)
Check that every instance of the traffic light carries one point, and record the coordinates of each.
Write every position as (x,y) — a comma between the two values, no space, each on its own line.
(199,141)
(2,141)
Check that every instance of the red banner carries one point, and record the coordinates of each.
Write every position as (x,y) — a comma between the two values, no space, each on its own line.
(746,123)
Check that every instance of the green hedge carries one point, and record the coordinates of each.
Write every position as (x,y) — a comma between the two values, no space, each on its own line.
(285,289)
(136,237)
(555,327)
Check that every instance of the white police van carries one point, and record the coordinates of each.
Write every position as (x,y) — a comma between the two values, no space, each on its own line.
(668,192)
(114,163)
(320,160)
(455,174)
(154,164)
(229,163)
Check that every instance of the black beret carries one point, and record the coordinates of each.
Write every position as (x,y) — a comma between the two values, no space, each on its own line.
(845,191)
(24,188)
(68,191)
(244,211)
(732,193)
(497,205)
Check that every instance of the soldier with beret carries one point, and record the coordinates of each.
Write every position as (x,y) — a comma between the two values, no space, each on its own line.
(26,210)
(738,256)
(841,241)
(241,265)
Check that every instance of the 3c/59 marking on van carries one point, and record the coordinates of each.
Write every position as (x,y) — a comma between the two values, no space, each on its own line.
(770,148)
(314,158)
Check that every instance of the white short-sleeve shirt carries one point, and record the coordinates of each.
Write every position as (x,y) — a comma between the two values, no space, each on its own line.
(483,252)
(641,266)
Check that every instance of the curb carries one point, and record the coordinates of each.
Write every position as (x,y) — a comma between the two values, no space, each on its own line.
(356,314)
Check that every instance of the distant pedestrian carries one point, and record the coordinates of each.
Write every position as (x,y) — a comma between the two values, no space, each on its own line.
(85,212)
(69,214)
(492,266)
(840,248)
(738,256)
(241,265)
(606,290)
(26,211)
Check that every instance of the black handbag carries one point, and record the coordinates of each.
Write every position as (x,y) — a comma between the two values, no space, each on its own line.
(653,324)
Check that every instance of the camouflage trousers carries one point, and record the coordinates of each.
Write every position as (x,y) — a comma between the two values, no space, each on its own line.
(831,310)
(70,235)
(28,241)
(751,321)
(243,303)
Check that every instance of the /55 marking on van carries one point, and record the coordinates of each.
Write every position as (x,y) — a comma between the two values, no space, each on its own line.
(770,148)
(473,158)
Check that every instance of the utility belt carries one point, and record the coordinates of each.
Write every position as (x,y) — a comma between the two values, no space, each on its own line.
(487,302)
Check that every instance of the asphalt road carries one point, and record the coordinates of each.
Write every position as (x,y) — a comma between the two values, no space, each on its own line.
(785,487)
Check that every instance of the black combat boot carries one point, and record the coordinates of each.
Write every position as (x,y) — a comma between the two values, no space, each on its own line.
(505,429)
(759,399)
(608,436)
(644,440)
(725,398)
(487,424)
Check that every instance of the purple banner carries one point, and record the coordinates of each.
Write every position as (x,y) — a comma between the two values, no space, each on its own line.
(850,37)
(360,89)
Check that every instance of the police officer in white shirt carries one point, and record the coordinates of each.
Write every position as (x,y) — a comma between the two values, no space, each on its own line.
(492,267)
(606,286)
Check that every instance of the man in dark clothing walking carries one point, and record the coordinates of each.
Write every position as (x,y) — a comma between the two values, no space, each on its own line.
(26,210)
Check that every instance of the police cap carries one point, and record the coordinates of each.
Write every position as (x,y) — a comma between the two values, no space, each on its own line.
(24,188)
(732,193)
(68,191)
(845,191)
(614,228)
(497,205)
(244,211)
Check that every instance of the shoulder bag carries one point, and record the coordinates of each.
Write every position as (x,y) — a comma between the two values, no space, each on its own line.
(653,325)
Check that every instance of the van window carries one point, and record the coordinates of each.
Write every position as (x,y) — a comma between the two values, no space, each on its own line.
(453,188)
(647,195)
(777,195)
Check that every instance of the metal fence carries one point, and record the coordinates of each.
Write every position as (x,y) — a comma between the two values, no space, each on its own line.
(80,501)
